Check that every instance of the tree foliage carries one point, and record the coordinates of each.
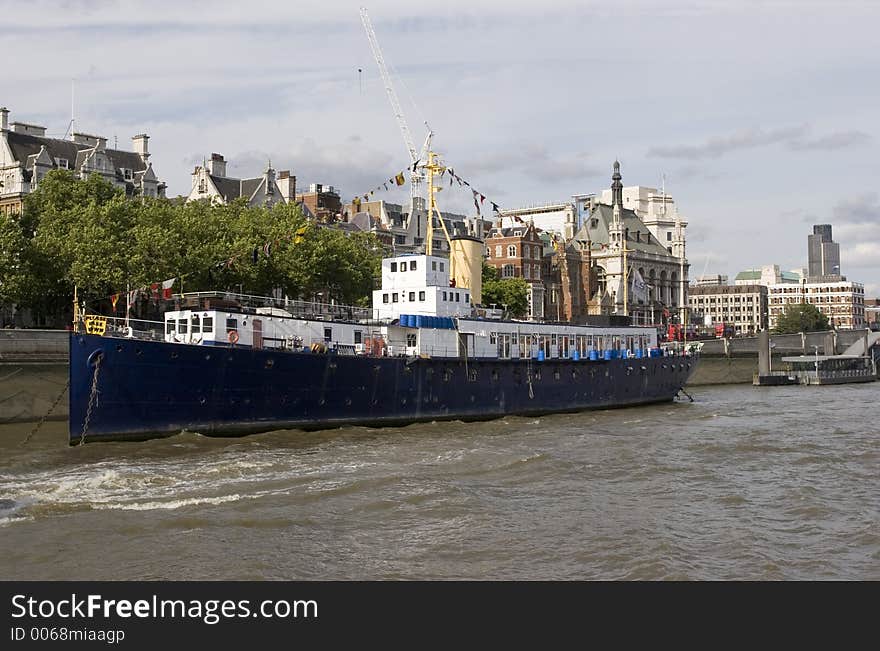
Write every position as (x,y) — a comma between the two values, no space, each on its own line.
(801,318)
(510,292)
(87,234)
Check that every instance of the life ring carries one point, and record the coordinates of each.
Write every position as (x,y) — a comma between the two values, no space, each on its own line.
(233,337)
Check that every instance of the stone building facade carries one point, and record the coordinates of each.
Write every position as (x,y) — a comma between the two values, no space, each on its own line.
(210,181)
(27,155)
(744,307)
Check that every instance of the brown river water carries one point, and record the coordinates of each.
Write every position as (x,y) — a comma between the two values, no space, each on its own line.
(745,483)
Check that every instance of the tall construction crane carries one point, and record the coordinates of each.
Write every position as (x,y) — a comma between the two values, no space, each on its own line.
(417,174)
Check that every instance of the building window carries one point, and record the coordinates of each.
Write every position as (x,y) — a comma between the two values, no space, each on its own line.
(394,297)
(526,251)
(421,296)
(412,265)
(442,267)
(498,251)
(669,248)
(412,296)
(384,298)
(527,271)
(457,297)
(393,266)
(411,340)
(511,251)
(433,265)
(467,298)
(444,296)
(507,271)
(63,164)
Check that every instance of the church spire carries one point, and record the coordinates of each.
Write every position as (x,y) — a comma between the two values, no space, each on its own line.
(616,186)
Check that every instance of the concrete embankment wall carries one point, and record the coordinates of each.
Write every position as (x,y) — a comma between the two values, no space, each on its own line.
(33,374)
(735,361)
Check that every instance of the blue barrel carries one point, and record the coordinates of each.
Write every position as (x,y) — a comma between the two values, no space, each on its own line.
(608,354)
(433,321)
(576,355)
(638,353)
(404,320)
(540,355)
(593,355)
(419,321)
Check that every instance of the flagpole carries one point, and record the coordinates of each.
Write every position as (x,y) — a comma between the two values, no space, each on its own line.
(127,305)
(75,310)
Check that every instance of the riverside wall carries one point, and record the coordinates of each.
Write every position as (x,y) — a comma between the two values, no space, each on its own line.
(735,360)
(33,374)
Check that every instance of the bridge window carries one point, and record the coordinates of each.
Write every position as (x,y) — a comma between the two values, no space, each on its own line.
(412,265)
(393,266)
(207,324)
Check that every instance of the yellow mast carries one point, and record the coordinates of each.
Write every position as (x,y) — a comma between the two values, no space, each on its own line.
(434,167)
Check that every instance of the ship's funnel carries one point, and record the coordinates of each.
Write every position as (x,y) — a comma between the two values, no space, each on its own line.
(467,264)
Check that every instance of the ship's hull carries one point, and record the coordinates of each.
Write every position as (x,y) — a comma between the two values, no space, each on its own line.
(148,389)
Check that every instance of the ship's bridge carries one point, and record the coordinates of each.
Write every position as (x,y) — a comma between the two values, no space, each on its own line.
(419,284)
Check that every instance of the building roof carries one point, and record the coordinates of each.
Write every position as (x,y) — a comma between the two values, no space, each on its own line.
(751,274)
(24,146)
(598,234)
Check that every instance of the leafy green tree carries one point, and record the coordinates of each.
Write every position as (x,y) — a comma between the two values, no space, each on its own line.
(87,234)
(510,292)
(13,272)
(801,318)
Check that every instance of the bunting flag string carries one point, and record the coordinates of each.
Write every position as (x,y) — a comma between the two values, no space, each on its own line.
(395,181)
(479,197)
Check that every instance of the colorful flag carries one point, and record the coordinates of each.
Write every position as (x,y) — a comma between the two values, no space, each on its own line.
(476,205)
(166,288)
(494,206)
(482,199)
(113,300)
(267,249)
(399,179)
(154,290)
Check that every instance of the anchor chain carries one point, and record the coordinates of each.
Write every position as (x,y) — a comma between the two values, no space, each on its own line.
(93,399)
(46,415)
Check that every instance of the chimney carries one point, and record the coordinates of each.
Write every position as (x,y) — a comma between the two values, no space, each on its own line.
(140,143)
(4,119)
(89,140)
(29,129)
(287,185)
(217,165)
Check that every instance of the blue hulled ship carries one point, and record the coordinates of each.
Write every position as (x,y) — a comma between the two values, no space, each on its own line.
(227,364)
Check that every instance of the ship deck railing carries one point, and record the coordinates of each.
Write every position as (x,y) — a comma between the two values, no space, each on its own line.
(316,310)
(123,328)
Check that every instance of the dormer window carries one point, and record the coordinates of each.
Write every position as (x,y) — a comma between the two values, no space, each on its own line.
(63,164)
(126,173)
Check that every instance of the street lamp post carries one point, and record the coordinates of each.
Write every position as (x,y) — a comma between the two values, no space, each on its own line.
(816,349)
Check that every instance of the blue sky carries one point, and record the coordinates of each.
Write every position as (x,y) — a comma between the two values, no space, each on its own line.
(761,115)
